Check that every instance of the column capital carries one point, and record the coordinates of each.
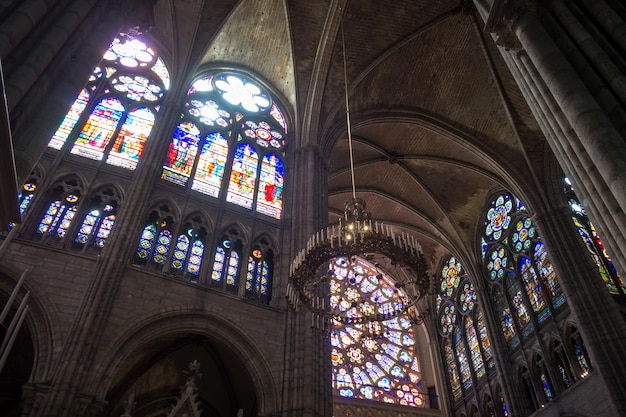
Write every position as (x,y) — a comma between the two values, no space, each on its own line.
(502,18)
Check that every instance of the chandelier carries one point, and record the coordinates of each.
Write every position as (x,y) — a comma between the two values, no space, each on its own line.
(356,238)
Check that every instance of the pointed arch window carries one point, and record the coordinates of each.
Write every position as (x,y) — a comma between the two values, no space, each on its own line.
(462,327)
(26,195)
(593,243)
(376,360)
(155,240)
(113,116)
(226,264)
(60,211)
(516,265)
(230,144)
(189,250)
(96,226)
(259,274)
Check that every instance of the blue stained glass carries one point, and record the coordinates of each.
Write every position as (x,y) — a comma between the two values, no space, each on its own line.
(195,259)
(146,241)
(180,252)
(162,246)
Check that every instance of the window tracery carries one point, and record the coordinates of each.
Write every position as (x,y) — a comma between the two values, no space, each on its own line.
(112,117)
(593,243)
(260,271)
(523,283)
(375,360)
(230,143)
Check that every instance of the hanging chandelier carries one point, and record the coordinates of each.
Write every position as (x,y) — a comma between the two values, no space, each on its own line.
(357,238)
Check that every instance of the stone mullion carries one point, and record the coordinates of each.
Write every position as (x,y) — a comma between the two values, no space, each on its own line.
(71,377)
(436,349)
(596,314)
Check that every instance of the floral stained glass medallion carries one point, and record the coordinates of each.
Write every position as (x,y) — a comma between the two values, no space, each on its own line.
(374,360)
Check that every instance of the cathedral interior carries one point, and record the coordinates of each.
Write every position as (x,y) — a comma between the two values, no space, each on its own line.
(298,208)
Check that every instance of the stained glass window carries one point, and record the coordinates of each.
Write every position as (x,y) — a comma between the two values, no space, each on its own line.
(258,275)
(112,117)
(461,324)
(474,347)
(461,356)
(373,360)
(59,216)
(225,264)
(96,226)
(230,143)
(188,251)
(593,243)
(155,242)
(453,373)
(26,195)
(515,258)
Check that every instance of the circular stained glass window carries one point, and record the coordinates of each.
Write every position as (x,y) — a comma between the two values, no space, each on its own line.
(447,319)
(498,217)
(522,235)
(497,262)
(371,360)
(450,277)
(467,298)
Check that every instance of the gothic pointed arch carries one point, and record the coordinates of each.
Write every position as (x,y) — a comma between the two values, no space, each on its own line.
(230,143)
(113,115)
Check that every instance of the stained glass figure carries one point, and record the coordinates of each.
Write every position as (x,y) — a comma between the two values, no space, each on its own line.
(506,318)
(211,164)
(533,289)
(272,179)
(70,120)
(453,373)
(225,264)
(244,133)
(461,356)
(484,338)
(116,79)
(548,275)
(243,176)
(128,146)
(258,275)
(181,153)
(474,347)
(518,305)
(375,360)
(96,226)
(99,129)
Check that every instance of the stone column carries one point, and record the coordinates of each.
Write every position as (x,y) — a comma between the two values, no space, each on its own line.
(597,315)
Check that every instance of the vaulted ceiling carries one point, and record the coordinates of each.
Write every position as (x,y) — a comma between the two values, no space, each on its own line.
(438,122)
